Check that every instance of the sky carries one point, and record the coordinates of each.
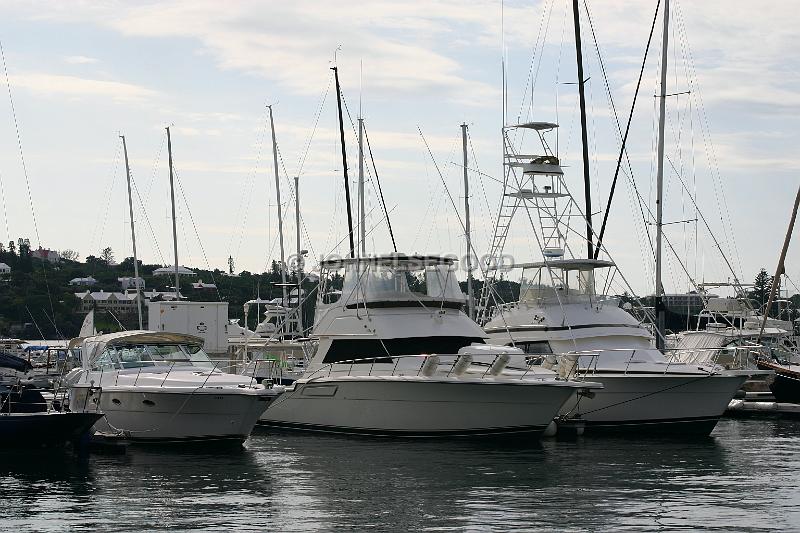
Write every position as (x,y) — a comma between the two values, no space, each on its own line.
(82,73)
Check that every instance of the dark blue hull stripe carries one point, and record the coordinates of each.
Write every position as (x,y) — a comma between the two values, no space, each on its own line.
(483,432)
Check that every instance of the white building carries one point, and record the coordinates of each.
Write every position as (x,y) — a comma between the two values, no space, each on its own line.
(130,283)
(118,302)
(46,255)
(5,269)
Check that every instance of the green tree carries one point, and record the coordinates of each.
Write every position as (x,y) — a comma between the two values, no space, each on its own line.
(761,288)
(107,255)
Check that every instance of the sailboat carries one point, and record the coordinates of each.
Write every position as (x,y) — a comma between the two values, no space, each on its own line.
(786,385)
(275,350)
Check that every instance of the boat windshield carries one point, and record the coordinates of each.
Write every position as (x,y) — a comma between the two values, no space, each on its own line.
(371,282)
(118,357)
(542,283)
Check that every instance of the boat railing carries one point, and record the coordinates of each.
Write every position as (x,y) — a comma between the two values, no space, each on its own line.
(430,365)
(573,365)
(730,357)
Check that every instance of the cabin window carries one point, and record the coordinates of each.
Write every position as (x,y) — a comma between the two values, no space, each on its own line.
(534,347)
(403,282)
(379,351)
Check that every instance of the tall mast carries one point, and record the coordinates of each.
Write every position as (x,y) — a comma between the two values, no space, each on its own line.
(133,234)
(278,196)
(299,255)
(779,271)
(660,325)
(344,164)
(174,226)
(362,234)
(587,191)
(470,295)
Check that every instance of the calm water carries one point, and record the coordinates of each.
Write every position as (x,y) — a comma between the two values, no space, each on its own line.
(743,478)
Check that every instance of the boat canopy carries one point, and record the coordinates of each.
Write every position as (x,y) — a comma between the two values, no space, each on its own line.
(13,362)
(93,347)
(538,126)
(564,264)
(407,262)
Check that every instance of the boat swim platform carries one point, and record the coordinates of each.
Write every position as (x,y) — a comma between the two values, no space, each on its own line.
(745,408)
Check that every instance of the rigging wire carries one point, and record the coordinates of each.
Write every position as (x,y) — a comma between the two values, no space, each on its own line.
(5,210)
(705,128)
(25,172)
(380,191)
(147,219)
(247,194)
(196,232)
(624,137)
(100,225)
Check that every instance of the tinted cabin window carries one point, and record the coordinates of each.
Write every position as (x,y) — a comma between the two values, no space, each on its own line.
(374,350)
(534,348)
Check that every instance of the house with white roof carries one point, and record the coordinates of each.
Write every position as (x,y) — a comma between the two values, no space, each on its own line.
(170,271)
(85,282)
(5,269)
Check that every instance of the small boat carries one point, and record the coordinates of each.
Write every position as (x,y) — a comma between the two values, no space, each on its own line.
(785,386)
(28,420)
(162,387)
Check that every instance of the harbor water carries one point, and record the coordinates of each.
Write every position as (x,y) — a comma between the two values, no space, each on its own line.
(744,477)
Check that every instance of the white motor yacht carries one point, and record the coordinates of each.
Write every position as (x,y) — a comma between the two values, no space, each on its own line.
(643,389)
(393,358)
(561,319)
(162,387)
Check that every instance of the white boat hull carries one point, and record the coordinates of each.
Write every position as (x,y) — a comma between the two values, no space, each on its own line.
(422,407)
(158,415)
(654,402)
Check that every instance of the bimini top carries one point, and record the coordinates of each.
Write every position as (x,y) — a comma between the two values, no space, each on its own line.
(94,346)
(390,260)
(145,337)
(567,264)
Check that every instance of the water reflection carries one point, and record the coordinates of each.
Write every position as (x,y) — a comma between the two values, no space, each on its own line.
(743,477)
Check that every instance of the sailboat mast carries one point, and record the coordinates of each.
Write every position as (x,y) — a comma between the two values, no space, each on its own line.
(470,294)
(278,196)
(362,234)
(587,191)
(780,269)
(133,234)
(174,223)
(299,255)
(659,304)
(344,164)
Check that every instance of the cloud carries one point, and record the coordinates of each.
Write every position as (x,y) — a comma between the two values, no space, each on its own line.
(72,86)
(80,60)
(293,43)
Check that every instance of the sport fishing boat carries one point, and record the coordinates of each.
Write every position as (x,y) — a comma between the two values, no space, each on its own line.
(564,322)
(394,357)
(162,387)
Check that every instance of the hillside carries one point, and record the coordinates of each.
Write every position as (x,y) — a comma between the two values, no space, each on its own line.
(36,299)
